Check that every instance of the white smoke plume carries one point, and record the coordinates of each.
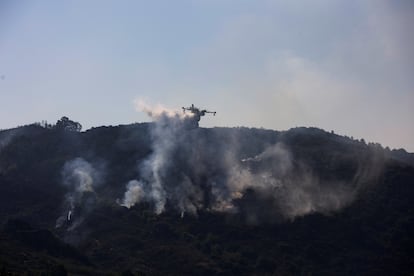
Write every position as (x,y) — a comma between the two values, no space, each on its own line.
(135,193)
(158,111)
(295,188)
(189,171)
(169,126)
(80,179)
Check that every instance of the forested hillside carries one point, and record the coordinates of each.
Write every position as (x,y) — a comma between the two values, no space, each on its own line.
(164,199)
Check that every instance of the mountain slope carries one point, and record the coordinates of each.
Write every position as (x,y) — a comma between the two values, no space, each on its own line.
(203,201)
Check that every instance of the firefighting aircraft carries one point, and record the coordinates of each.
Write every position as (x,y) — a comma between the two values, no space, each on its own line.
(197,112)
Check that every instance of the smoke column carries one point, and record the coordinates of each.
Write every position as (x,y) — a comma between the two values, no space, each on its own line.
(191,169)
(165,133)
(80,178)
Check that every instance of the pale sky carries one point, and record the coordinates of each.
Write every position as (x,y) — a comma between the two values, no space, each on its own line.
(346,66)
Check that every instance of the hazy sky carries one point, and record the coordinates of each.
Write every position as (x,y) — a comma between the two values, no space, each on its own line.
(346,66)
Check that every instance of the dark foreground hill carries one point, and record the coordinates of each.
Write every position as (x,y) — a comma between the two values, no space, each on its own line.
(161,199)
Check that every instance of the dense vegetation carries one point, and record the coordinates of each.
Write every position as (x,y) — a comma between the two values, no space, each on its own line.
(369,235)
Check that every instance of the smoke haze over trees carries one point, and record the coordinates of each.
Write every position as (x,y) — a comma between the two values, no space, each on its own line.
(216,201)
(192,170)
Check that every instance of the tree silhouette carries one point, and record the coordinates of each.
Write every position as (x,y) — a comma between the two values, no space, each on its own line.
(68,125)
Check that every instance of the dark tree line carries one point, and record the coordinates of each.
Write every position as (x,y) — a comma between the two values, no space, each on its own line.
(63,124)
(68,125)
